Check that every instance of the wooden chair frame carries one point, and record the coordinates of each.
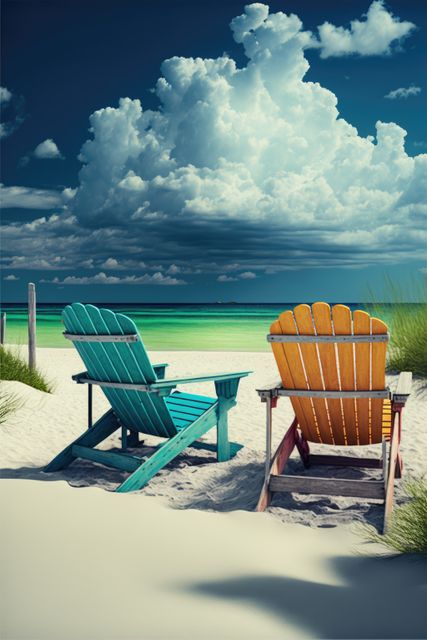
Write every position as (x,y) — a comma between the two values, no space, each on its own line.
(141,399)
(276,480)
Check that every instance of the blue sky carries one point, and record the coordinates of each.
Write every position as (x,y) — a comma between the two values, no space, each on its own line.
(253,170)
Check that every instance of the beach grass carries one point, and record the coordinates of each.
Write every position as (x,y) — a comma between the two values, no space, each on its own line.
(407,532)
(9,403)
(13,367)
(408,328)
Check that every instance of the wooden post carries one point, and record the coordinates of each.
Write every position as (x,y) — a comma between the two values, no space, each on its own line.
(3,328)
(31,325)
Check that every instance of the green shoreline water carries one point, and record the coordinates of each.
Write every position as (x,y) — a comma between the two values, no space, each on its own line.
(216,327)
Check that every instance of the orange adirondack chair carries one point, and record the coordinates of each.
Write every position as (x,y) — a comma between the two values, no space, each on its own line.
(332,367)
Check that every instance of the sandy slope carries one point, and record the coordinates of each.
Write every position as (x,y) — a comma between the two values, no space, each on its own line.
(94,564)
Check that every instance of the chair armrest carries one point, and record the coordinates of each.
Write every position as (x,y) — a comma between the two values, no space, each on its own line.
(403,389)
(80,378)
(164,387)
(160,370)
(218,377)
(269,390)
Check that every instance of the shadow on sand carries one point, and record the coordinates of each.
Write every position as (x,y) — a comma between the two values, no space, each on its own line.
(377,598)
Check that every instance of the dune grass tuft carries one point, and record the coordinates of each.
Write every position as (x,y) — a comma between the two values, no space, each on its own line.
(9,403)
(12,367)
(407,532)
(408,327)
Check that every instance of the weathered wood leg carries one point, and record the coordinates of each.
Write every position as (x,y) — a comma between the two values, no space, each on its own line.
(279,461)
(103,428)
(223,444)
(226,391)
(303,448)
(392,465)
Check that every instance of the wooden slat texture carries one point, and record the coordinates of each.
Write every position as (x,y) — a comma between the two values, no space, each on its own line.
(293,377)
(389,489)
(131,363)
(94,366)
(309,426)
(327,354)
(278,464)
(124,362)
(108,458)
(345,461)
(334,367)
(310,359)
(404,386)
(139,368)
(185,407)
(386,419)
(97,352)
(118,358)
(329,486)
(362,325)
(379,350)
(341,317)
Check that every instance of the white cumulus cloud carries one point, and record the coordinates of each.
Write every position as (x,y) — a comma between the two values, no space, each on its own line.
(5,95)
(11,278)
(47,150)
(244,169)
(12,108)
(373,36)
(403,92)
(29,198)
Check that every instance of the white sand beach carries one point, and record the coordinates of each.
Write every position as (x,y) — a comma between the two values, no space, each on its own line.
(186,557)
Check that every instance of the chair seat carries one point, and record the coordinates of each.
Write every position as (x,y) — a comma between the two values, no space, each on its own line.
(185,408)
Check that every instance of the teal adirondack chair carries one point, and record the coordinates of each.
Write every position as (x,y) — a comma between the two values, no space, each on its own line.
(141,400)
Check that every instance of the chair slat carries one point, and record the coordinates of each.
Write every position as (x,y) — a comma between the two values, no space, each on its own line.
(341,316)
(131,366)
(379,408)
(293,376)
(93,324)
(94,366)
(192,400)
(362,325)
(116,357)
(115,361)
(386,420)
(328,360)
(287,381)
(310,359)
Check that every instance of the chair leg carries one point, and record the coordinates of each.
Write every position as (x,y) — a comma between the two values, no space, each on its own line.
(303,449)
(124,438)
(103,428)
(278,463)
(133,439)
(392,466)
(223,444)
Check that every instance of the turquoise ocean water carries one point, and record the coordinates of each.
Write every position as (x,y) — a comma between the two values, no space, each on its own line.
(163,327)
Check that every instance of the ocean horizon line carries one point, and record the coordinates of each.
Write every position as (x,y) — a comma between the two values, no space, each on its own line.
(219,303)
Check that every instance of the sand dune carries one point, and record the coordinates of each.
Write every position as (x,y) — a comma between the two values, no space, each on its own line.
(164,562)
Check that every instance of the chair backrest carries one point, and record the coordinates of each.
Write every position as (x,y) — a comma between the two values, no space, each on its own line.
(119,362)
(333,366)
